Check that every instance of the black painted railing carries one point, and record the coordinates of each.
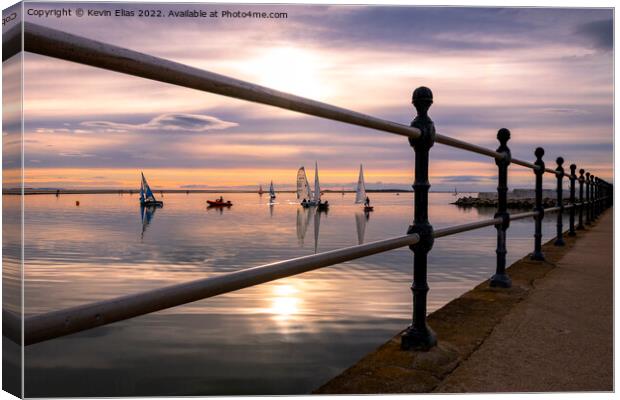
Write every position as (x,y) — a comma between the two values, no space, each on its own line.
(595,194)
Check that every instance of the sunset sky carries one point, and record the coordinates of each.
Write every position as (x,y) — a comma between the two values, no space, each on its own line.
(546,74)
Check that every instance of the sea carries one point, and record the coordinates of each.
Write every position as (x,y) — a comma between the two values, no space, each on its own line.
(284,337)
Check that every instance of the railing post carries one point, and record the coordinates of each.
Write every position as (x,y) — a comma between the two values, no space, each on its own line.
(593,185)
(419,336)
(501,278)
(590,197)
(595,198)
(538,254)
(597,186)
(581,179)
(610,195)
(588,200)
(559,173)
(571,217)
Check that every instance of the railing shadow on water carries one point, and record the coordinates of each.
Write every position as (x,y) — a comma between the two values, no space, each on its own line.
(595,194)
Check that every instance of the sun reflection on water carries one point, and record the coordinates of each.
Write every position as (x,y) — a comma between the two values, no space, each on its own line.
(285,304)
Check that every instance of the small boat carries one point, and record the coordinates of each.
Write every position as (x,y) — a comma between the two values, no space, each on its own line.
(272,192)
(455,192)
(146,194)
(360,192)
(219,203)
(260,190)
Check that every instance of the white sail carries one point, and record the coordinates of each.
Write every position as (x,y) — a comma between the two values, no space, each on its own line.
(317,187)
(303,188)
(360,193)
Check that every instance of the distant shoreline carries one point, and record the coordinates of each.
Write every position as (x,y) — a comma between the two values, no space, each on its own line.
(187,191)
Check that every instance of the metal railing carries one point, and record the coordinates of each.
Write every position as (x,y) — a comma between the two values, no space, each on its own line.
(420,236)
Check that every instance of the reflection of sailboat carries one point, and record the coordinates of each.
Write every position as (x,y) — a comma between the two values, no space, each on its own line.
(272,193)
(271,210)
(146,194)
(317,224)
(146,213)
(360,224)
(303,220)
(360,192)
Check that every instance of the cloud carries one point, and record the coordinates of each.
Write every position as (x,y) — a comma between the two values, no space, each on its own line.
(77,154)
(167,123)
(600,33)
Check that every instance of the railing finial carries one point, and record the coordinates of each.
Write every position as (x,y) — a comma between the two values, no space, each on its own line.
(422,99)
(539,153)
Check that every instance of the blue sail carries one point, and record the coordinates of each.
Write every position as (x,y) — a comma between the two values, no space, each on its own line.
(145,191)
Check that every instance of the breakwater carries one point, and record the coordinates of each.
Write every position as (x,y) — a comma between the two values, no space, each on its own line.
(516,203)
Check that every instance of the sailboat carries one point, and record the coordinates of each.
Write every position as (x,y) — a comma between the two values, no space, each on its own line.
(304,192)
(322,206)
(360,192)
(455,192)
(272,193)
(146,194)
(260,190)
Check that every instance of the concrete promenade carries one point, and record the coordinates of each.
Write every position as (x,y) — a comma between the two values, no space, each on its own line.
(552,331)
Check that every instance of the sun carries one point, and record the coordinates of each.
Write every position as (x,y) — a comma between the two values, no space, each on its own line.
(292,70)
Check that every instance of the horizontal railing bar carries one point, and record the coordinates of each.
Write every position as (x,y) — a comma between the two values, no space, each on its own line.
(523,163)
(75,319)
(466,227)
(523,215)
(65,46)
(448,141)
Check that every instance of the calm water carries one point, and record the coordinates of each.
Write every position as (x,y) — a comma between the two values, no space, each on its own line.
(285,337)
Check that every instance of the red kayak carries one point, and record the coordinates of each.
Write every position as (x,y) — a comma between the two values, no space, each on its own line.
(218,203)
